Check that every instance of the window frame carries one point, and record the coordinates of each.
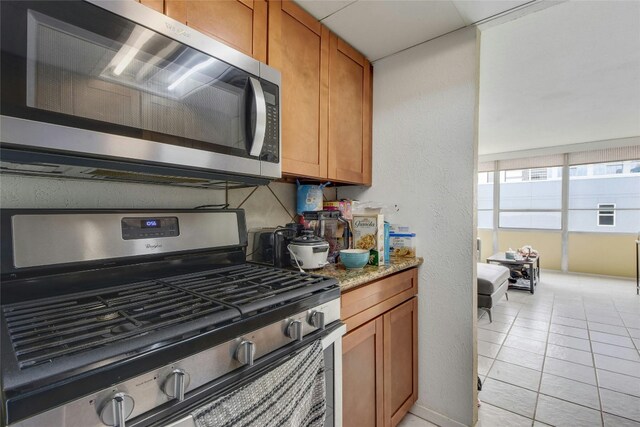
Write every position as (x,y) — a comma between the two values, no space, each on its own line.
(604,207)
(548,177)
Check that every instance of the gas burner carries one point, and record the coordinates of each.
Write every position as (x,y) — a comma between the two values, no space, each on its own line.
(107,316)
(123,328)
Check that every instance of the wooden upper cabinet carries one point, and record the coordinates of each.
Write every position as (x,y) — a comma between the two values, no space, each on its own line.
(299,48)
(241,24)
(349,114)
(157,5)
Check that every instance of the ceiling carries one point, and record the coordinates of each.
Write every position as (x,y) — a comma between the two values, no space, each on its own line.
(569,74)
(549,76)
(379,28)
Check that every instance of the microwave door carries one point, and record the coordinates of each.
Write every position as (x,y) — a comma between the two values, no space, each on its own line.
(259,105)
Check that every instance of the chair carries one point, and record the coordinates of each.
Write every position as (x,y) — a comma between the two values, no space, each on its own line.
(493,282)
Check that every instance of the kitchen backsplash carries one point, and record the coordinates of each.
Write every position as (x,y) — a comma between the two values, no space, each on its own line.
(270,205)
(48,193)
(265,206)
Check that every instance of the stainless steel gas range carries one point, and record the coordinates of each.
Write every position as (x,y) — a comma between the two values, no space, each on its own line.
(140,318)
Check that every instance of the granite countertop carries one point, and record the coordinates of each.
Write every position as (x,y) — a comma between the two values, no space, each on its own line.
(350,279)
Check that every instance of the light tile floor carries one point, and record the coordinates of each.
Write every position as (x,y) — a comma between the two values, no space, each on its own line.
(569,355)
(411,420)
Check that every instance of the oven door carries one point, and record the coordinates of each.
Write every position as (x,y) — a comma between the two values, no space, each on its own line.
(179,415)
(114,79)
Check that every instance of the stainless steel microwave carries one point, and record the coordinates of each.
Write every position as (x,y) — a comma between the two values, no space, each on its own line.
(116,82)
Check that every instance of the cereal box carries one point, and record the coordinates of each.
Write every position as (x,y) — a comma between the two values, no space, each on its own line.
(368,233)
(402,245)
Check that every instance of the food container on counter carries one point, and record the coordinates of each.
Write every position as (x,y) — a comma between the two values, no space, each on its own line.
(309,197)
(344,206)
(402,245)
(368,233)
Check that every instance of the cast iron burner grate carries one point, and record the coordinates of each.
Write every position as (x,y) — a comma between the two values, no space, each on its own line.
(43,331)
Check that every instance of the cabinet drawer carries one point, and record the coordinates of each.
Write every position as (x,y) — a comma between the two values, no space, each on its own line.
(362,304)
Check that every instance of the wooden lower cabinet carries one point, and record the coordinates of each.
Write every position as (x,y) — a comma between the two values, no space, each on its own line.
(400,360)
(362,376)
(380,356)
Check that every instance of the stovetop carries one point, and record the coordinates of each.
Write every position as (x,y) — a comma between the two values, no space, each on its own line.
(89,327)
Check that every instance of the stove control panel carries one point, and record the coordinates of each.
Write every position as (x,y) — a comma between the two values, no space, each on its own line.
(149,228)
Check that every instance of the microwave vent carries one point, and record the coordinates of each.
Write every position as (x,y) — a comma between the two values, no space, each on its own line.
(50,170)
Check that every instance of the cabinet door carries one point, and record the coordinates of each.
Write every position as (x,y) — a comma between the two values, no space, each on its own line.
(157,5)
(299,48)
(362,376)
(349,114)
(241,24)
(400,361)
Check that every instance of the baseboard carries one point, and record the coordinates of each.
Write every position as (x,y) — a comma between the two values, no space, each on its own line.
(434,417)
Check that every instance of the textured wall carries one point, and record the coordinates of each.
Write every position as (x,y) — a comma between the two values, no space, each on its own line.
(32,192)
(424,154)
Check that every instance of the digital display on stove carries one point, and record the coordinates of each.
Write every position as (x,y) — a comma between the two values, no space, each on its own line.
(149,228)
(150,223)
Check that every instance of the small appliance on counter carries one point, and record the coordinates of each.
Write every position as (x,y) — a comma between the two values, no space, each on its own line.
(269,245)
(330,226)
(308,251)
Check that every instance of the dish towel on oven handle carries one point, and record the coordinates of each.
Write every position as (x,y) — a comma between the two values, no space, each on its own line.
(291,395)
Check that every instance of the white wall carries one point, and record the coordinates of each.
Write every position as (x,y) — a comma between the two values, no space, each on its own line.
(43,193)
(424,154)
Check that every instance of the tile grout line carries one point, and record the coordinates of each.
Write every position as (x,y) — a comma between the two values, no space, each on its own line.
(595,370)
(544,358)
(496,358)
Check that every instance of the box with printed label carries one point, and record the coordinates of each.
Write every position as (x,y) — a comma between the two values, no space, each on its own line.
(368,233)
(402,245)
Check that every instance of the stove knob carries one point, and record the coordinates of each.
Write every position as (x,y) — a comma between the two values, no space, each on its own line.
(117,409)
(175,384)
(245,352)
(317,319)
(294,330)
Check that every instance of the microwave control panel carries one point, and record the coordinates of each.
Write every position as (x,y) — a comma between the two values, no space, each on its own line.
(149,228)
(271,147)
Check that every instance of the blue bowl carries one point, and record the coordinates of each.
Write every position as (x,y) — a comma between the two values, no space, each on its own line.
(354,258)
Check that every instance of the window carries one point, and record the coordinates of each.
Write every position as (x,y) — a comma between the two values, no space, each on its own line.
(485,200)
(606,214)
(578,171)
(531,198)
(608,168)
(605,199)
(538,174)
(613,169)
